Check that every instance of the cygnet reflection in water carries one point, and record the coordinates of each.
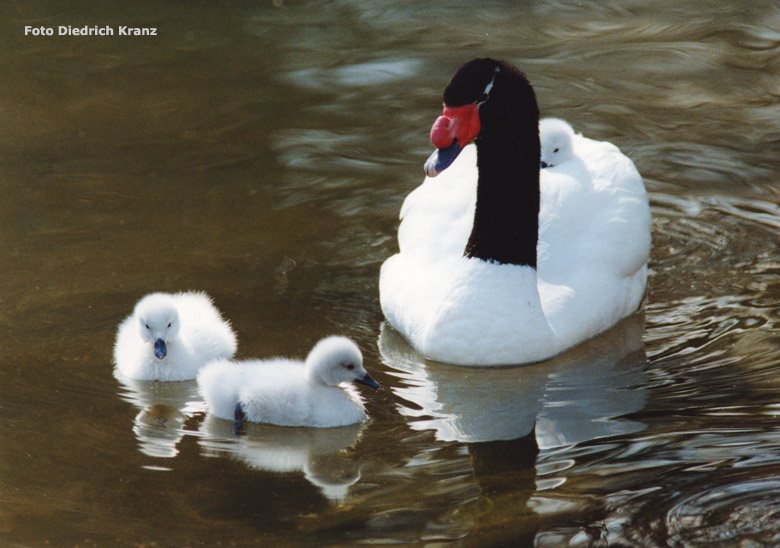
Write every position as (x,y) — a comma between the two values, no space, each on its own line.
(164,407)
(319,453)
(575,397)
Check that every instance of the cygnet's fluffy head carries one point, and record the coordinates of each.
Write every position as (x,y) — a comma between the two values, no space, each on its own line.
(158,321)
(335,360)
(556,138)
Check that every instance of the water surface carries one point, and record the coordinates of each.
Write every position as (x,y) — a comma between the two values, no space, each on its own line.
(260,151)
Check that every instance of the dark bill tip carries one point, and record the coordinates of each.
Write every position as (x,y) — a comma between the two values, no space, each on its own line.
(368,380)
(441,159)
(160,350)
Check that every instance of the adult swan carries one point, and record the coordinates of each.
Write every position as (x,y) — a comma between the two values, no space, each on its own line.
(501,262)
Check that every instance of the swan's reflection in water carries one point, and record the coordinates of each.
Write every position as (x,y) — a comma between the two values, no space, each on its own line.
(578,396)
(321,454)
(504,417)
(164,407)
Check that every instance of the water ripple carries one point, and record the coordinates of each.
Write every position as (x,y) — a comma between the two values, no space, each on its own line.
(745,511)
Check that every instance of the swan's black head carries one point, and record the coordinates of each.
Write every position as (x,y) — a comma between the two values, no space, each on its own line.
(473,82)
(485,99)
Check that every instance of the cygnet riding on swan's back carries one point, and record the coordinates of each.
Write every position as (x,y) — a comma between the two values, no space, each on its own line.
(289,392)
(556,139)
(169,337)
(502,262)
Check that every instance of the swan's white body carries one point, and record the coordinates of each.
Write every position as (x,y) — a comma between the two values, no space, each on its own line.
(594,242)
(288,392)
(191,327)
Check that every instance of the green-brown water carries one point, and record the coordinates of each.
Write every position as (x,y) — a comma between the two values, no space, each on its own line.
(260,151)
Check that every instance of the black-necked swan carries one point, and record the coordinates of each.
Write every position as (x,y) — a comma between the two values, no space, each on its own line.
(555,136)
(502,262)
(288,392)
(169,337)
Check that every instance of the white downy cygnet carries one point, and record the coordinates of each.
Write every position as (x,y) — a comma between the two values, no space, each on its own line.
(288,392)
(169,337)
(556,139)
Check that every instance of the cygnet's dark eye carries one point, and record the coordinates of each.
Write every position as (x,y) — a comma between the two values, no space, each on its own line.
(147,326)
(169,323)
(348,365)
(556,150)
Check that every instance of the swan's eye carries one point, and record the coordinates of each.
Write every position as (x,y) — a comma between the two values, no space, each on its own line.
(556,150)
(348,365)
(169,324)
(147,326)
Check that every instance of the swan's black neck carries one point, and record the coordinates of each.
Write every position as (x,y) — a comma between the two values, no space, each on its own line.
(506,219)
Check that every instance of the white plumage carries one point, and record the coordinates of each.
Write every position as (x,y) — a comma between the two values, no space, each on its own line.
(168,337)
(591,253)
(594,241)
(288,392)
(556,138)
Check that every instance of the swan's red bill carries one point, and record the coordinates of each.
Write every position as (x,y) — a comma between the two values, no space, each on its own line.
(454,129)
(441,134)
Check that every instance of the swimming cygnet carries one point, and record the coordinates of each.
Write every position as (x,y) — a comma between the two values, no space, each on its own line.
(556,138)
(168,337)
(289,392)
